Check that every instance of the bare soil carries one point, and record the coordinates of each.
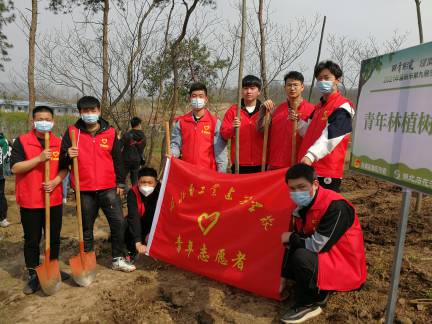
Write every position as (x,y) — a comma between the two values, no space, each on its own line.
(160,293)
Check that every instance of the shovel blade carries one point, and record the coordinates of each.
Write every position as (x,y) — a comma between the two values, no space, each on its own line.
(49,276)
(83,268)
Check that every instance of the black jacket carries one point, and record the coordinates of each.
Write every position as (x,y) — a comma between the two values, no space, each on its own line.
(133,143)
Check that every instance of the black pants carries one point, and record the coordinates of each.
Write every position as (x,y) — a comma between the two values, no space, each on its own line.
(3,201)
(301,265)
(132,168)
(243,169)
(33,223)
(330,183)
(110,203)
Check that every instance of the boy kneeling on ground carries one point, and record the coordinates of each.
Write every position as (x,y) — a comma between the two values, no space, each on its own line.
(141,203)
(325,250)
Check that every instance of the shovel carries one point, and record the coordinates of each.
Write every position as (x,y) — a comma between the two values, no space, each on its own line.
(83,265)
(48,272)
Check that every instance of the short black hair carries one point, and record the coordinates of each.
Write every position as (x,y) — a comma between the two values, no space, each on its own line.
(135,121)
(88,102)
(294,75)
(147,172)
(301,170)
(196,86)
(251,81)
(39,109)
(331,66)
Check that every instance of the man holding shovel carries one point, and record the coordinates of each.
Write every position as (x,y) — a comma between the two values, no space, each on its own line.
(29,154)
(101,176)
(283,130)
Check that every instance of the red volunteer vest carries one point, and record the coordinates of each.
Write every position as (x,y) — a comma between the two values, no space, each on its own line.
(95,162)
(280,135)
(28,186)
(343,267)
(251,141)
(140,203)
(197,140)
(332,165)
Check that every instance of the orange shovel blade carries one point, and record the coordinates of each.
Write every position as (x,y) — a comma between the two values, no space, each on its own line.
(83,268)
(49,276)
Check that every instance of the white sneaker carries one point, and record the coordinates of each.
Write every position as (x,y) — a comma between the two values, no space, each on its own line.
(4,223)
(122,265)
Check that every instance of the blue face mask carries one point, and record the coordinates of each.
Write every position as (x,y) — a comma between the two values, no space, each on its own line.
(90,118)
(43,126)
(301,198)
(325,86)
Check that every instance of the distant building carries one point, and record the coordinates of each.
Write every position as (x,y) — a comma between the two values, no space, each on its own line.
(22,106)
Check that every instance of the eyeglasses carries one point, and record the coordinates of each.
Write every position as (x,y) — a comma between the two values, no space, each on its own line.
(293,85)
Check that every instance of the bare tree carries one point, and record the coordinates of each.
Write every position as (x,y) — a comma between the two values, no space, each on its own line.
(419,20)
(31,60)
(263,61)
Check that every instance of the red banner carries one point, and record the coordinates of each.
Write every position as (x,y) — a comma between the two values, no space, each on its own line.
(226,227)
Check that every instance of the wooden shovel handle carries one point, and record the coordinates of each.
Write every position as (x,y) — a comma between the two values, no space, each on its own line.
(294,140)
(266,132)
(47,197)
(168,138)
(77,193)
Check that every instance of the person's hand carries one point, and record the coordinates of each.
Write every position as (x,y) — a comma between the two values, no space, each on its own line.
(45,155)
(236,122)
(73,152)
(268,105)
(306,160)
(141,248)
(292,115)
(168,156)
(285,237)
(50,185)
(120,191)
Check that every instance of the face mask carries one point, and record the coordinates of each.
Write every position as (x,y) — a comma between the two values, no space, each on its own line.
(90,118)
(325,86)
(146,190)
(197,103)
(301,198)
(43,126)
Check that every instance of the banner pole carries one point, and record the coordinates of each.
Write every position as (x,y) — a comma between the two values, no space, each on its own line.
(398,255)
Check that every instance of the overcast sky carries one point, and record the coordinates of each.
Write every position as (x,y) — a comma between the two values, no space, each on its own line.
(355,18)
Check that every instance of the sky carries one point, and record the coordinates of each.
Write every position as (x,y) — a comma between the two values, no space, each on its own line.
(357,19)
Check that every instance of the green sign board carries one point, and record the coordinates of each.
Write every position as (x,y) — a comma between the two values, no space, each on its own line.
(393,124)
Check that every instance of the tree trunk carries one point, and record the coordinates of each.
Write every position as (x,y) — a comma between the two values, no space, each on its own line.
(105,64)
(239,85)
(31,61)
(263,60)
(420,26)
(318,56)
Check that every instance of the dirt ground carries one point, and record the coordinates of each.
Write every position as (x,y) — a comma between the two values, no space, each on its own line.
(161,293)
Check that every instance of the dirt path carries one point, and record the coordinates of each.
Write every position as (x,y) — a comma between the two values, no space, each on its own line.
(160,293)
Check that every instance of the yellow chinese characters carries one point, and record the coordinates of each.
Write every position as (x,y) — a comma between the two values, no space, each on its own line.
(220,257)
(239,260)
(267,222)
(189,249)
(203,256)
(179,244)
(228,195)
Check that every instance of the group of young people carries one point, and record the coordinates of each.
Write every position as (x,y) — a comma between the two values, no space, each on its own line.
(324,248)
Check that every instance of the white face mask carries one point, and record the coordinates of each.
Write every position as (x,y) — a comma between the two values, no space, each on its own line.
(146,190)
(198,103)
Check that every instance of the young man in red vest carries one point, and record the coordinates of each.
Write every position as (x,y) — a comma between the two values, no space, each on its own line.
(282,120)
(328,129)
(28,164)
(251,140)
(196,138)
(101,175)
(325,250)
(141,202)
